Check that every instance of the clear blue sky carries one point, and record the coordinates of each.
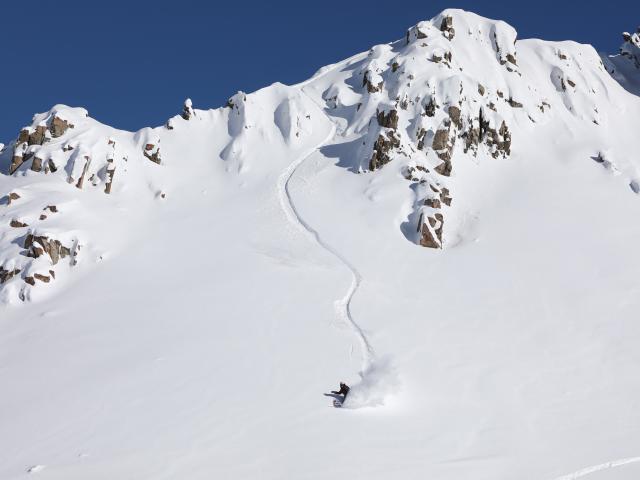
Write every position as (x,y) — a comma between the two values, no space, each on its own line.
(132,63)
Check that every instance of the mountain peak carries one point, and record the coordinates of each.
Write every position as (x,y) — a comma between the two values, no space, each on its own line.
(457,91)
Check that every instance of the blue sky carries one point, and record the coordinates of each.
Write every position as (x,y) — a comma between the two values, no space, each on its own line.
(132,63)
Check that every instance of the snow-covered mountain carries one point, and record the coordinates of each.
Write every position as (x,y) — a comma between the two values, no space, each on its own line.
(176,300)
(625,66)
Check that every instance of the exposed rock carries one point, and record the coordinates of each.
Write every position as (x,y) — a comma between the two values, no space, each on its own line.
(23,136)
(42,278)
(43,217)
(372,85)
(445,167)
(12,197)
(513,103)
(414,173)
(430,230)
(52,166)
(6,275)
(388,120)
(187,109)
(433,203)
(381,149)
(444,196)
(446,27)
(454,115)
(499,140)
(16,161)
(443,143)
(17,224)
(511,59)
(39,135)
(152,153)
(30,280)
(37,245)
(421,136)
(36,165)
(51,208)
(481,89)
(85,169)
(430,108)
(440,139)
(111,171)
(59,126)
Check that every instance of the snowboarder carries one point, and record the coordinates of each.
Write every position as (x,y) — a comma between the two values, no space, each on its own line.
(344,390)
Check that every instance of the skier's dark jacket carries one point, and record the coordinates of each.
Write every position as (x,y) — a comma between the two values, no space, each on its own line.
(344,390)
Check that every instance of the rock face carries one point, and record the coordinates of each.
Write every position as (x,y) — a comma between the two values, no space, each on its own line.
(187,109)
(152,152)
(6,275)
(37,245)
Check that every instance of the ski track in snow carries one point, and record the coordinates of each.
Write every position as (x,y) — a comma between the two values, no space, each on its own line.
(343,305)
(597,468)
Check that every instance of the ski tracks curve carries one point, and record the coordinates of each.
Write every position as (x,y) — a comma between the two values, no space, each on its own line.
(342,305)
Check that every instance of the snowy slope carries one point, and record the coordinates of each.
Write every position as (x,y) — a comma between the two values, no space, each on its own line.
(246,259)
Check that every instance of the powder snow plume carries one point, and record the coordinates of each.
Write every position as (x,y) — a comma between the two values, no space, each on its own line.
(377,383)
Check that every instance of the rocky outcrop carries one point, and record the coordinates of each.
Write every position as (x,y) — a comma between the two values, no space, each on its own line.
(372,81)
(111,171)
(6,275)
(446,27)
(430,229)
(187,109)
(152,152)
(85,169)
(382,148)
(443,143)
(59,126)
(388,119)
(41,277)
(18,158)
(37,245)
(17,224)
(12,197)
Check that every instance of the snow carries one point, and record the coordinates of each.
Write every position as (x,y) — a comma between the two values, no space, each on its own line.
(219,293)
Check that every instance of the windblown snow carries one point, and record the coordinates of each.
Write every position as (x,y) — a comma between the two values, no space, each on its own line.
(448,223)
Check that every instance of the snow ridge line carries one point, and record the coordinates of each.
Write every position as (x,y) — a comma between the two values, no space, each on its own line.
(597,468)
(343,305)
